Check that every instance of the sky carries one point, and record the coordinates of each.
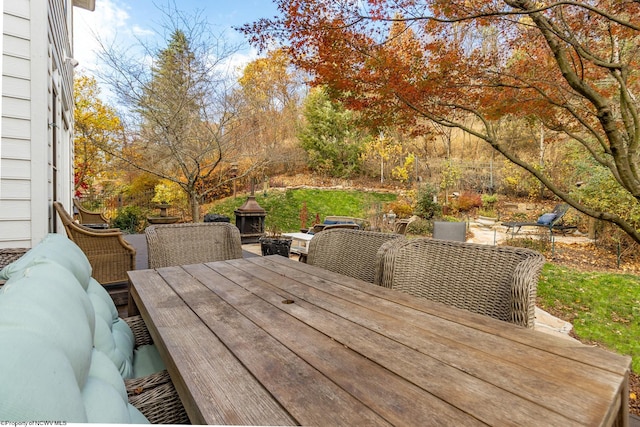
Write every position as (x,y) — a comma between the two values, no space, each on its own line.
(122,20)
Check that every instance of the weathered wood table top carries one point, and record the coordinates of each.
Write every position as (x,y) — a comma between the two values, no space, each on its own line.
(271,341)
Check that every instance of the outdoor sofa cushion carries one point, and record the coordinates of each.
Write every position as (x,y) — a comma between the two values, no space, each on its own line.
(50,369)
(112,335)
(59,249)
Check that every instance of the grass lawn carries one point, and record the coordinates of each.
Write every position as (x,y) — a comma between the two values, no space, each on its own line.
(283,207)
(603,307)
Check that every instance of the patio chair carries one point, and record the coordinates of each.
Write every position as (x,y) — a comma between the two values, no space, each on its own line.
(445,230)
(109,254)
(8,255)
(350,252)
(496,281)
(321,227)
(154,395)
(192,243)
(552,220)
(86,217)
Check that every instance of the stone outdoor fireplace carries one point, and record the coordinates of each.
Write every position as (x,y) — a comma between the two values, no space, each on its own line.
(250,220)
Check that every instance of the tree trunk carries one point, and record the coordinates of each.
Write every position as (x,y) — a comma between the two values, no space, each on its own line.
(195,208)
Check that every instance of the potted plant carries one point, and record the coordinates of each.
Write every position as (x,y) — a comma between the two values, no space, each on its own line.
(274,243)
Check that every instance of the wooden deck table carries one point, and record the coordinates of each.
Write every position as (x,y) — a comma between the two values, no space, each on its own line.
(271,341)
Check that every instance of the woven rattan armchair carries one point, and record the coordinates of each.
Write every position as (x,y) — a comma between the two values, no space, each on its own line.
(8,255)
(154,395)
(109,254)
(350,252)
(322,227)
(192,243)
(87,217)
(497,281)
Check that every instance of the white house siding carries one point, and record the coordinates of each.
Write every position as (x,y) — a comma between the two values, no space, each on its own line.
(37,112)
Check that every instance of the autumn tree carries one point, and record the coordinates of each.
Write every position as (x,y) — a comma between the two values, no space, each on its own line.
(270,94)
(330,136)
(97,131)
(182,117)
(570,66)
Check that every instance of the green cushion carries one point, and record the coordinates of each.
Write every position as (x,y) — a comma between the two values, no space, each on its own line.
(47,300)
(96,290)
(112,335)
(38,382)
(103,403)
(59,249)
(105,342)
(123,337)
(136,417)
(103,368)
(147,361)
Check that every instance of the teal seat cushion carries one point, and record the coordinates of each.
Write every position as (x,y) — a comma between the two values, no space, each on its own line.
(107,308)
(103,368)
(59,249)
(38,382)
(136,417)
(113,336)
(47,300)
(105,396)
(105,342)
(147,361)
(103,403)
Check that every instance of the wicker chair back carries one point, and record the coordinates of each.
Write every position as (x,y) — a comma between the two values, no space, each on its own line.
(350,252)
(192,243)
(87,217)
(497,281)
(109,254)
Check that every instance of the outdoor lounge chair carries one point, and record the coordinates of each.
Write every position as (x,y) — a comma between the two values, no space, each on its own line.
(192,243)
(350,252)
(496,281)
(552,221)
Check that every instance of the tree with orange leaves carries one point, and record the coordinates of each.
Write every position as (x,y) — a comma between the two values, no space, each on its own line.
(572,66)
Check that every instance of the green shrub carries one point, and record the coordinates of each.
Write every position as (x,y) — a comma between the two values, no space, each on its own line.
(130,219)
(420,227)
(425,205)
(489,199)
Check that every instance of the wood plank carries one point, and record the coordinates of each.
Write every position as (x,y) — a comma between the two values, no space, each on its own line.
(391,396)
(594,356)
(587,390)
(341,351)
(410,355)
(213,385)
(308,396)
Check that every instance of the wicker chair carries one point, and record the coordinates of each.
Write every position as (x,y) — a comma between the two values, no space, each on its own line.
(350,252)
(109,254)
(8,255)
(497,281)
(192,243)
(322,227)
(154,395)
(87,217)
